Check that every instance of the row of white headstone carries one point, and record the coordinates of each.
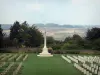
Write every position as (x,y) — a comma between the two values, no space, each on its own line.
(4,58)
(82,69)
(89,59)
(92,59)
(93,70)
(84,59)
(12,57)
(7,69)
(12,63)
(19,57)
(95,66)
(65,58)
(3,55)
(81,59)
(26,56)
(85,65)
(18,69)
(73,59)
(2,64)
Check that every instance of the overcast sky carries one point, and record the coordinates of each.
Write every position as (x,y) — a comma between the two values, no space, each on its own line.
(81,12)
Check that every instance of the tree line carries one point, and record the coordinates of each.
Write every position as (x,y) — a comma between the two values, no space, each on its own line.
(23,35)
(91,41)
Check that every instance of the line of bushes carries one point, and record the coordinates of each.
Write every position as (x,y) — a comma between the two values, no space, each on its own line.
(38,50)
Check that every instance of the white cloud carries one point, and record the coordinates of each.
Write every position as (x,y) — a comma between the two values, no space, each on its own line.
(34,7)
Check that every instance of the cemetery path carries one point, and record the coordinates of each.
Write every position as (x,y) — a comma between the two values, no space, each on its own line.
(48,66)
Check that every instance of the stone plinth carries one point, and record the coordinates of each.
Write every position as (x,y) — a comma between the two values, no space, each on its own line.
(45,53)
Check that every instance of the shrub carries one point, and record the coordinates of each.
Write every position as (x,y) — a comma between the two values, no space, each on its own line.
(71,46)
(56,46)
(96,44)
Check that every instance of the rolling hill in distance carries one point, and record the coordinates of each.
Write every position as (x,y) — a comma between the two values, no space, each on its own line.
(59,32)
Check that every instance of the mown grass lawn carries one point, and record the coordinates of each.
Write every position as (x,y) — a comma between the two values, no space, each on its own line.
(48,66)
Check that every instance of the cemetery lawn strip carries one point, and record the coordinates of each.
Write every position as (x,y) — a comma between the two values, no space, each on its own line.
(48,66)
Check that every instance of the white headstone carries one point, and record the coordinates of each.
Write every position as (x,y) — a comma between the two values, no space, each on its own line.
(98,72)
(95,71)
(84,71)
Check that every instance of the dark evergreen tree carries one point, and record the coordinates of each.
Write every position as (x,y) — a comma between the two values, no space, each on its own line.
(1,37)
(23,34)
(67,39)
(15,34)
(36,37)
(50,40)
(14,31)
(93,34)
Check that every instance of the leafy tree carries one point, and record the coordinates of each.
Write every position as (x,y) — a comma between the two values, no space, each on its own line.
(14,31)
(67,39)
(93,37)
(25,23)
(78,40)
(36,37)
(70,46)
(96,44)
(87,44)
(74,42)
(23,34)
(24,28)
(56,46)
(76,37)
(50,40)
(93,34)
(1,37)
